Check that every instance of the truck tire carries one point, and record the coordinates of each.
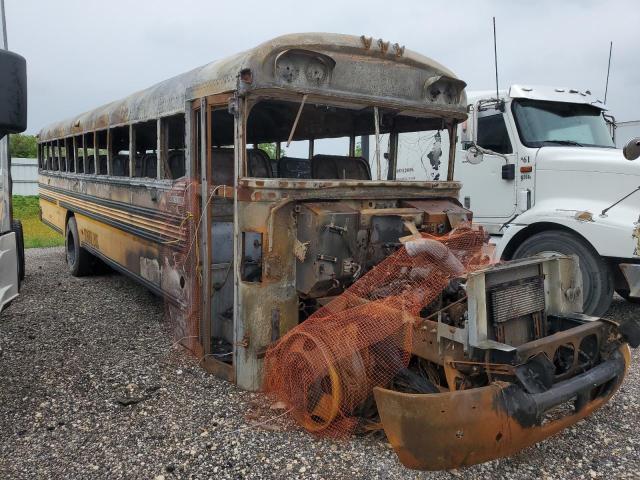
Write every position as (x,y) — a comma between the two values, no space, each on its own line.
(597,279)
(16,227)
(625,294)
(80,261)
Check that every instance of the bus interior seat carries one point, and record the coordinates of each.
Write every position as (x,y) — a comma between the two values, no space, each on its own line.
(102,162)
(137,165)
(120,165)
(338,167)
(222,161)
(292,167)
(91,165)
(150,163)
(176,163)
(258,164)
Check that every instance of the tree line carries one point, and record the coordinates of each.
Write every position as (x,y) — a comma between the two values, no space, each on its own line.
(23,146)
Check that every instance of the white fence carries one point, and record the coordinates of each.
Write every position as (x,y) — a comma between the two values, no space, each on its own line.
(24,173)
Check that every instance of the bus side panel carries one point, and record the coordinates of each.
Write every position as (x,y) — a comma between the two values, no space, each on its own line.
(53,214)
(127,250)
(144,259)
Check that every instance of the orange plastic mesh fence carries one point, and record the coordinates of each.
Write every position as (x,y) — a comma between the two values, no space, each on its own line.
(326,367)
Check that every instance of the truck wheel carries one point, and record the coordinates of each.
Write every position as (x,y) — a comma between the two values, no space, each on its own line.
(79,260)
(625,294)
(597,279)
(16,227)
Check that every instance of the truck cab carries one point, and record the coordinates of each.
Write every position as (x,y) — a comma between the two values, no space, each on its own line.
(542,174)
(13,119)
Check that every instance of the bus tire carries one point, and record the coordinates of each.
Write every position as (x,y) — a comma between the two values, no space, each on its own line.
(625,294)
(78,259)
(16,227)
(597,278)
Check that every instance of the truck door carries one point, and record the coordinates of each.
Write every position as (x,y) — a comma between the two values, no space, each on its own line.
(485,190)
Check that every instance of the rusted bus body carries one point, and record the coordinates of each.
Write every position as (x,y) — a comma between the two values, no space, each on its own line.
(117,223)
(531,379)
(171,186)
(269,207)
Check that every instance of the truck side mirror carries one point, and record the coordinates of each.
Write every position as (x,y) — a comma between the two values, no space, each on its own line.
(474,156)
(13,93)
(469,129)
(631,150)
(469,136)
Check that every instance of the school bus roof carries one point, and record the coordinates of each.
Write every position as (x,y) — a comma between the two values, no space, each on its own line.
(325,64)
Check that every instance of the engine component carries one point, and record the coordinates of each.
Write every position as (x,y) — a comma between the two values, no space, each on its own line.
(332,254)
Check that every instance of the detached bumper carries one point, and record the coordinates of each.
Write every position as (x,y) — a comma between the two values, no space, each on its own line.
(447,430)
(631,272)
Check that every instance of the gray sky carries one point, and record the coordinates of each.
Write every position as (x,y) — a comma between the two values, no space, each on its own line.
(82,54)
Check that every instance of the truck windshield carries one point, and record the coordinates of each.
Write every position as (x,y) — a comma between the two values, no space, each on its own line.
(542,123)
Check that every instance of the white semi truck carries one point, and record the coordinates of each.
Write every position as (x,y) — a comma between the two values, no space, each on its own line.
(13,119)
(541,173)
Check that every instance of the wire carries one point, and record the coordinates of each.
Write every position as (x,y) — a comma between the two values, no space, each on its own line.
(179,342)
(214,355)
(195,235)
(187,217)
(258,424)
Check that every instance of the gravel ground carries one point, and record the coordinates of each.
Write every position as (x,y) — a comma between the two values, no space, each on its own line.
(73,349)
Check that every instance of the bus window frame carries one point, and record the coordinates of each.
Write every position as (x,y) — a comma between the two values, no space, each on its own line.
(165,174)
(58,156)
(133,135)
(78,144)
(246,104)
(70,155)
(98,148)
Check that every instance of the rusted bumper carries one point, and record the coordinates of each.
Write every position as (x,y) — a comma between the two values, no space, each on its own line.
(447,430)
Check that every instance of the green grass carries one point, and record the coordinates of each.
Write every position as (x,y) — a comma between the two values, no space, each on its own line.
(36,233)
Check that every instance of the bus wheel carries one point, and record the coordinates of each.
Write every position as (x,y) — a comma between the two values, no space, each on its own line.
(597,279)
(625,294)
(79,260)
(16,227)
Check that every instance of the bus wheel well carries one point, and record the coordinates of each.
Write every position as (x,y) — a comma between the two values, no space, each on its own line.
(67,217)
(534,229)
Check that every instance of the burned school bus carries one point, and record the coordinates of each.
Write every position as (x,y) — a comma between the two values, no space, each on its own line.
(360,300)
